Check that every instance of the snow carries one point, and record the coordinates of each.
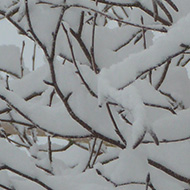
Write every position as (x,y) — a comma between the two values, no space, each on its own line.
(174,156)
(10,60)
(23,162)
(31,83)
(131,166)
(75,106)
(54,116)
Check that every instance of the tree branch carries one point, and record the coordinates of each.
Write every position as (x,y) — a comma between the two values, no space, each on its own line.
(35,180)
(168,171)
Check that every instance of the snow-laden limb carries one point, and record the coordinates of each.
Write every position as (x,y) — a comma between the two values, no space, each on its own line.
(58,116)
(180,171)
(24,167)
(32,84)
(179,90)
(35,113)
(131,100)
(173,127)
(134,66)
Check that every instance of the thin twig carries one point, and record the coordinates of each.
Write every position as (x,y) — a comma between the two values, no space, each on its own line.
(34,179)
(51,98)
(136,4)
(163,75)
(169,171)
(168,141)
(7,188)
(121,21)
(91,154)
(21,59)
(128,41)
(115,125)
(185,63)
(180,59)
(7,82)
(34,57)
(121,184)
(49,149)
(82,45)
(94,66)
(143,33)
(17,122)
(81,24)
(97,153)
(160,106)
(55,33)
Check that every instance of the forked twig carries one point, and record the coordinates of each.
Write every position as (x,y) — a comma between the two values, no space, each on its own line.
(91,154)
